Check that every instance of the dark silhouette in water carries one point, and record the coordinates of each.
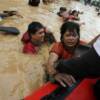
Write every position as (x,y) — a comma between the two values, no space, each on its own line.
(87,2)
(34,2)
(6,14)
(9,30)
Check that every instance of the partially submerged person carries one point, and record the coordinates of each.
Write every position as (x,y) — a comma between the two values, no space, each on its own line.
(74,15)
(9,30)
(70,35)
(63,13)
(61,10)
(6,14)
(35,36)
(71,15)
(85,66)
(34,2)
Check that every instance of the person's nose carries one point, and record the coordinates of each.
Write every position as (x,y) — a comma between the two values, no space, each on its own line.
(71,37)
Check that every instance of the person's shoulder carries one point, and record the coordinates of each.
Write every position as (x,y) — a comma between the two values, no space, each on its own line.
(28,45)
(29,48)
(57,47)
(57,43)
(25,38)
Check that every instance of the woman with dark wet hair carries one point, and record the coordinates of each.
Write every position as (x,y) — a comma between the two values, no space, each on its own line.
(35,36)
(65,49)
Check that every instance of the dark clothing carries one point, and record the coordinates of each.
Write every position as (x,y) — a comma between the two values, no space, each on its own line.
(49,37)
(97,90)
(87,2)
(34,2)
(88,65)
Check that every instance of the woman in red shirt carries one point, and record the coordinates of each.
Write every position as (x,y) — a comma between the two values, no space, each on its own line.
(70,35)
(33,38)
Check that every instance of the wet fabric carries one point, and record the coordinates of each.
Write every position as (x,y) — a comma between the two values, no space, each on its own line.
(29,48)
(59,49)
(25,38)
(85,66)
(70,17)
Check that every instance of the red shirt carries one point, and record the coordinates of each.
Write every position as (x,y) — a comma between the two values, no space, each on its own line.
(70,17)
(60,51)
(30,48)
(25,38)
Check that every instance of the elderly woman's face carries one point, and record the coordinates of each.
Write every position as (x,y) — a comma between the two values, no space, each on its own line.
(70,38)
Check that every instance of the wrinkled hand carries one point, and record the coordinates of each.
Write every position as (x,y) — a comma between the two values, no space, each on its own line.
(64,79)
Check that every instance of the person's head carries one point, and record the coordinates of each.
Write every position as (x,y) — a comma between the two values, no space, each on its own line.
(70,34)
(36,32)
(61,10)
(34,3)
(75,13)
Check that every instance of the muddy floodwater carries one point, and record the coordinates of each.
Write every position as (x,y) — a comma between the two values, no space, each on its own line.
(20,74)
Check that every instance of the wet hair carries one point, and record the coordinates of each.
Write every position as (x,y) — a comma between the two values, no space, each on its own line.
(34,2)
(49,38)
(69,26)
(61,10)
(74,11)
(34,27)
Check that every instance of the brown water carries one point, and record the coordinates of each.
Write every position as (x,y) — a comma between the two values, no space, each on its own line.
(19,73)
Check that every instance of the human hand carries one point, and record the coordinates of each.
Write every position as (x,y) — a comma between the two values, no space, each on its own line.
(64,79)
(51,71)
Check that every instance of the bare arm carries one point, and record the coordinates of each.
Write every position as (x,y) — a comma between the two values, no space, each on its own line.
(51,63)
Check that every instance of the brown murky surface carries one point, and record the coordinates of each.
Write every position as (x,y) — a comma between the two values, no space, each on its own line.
(19,73)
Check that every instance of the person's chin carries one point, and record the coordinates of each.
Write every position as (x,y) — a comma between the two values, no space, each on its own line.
(70,45)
